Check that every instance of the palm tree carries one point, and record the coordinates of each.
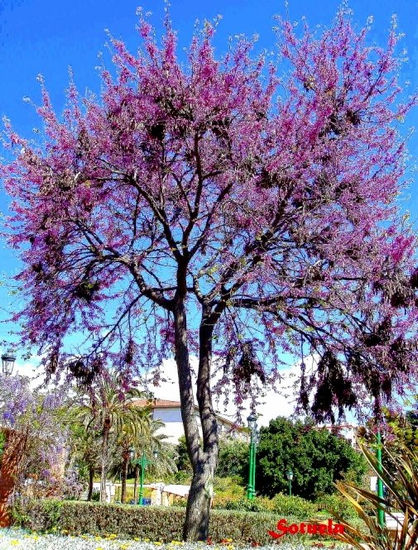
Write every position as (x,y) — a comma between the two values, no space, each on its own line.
(108,409)
(85,449)
(147,441)
(127,439)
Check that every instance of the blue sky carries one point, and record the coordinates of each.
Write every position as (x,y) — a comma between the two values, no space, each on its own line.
(45,36)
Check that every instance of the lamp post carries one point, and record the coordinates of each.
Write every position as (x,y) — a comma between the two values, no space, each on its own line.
(289,475)
(131,454)
(8,362)
(252,424)
(143,463)
(380,491)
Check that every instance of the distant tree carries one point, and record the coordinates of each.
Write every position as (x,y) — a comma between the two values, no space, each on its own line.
(84,450)
(182,456)
(400,432)
(215,207)
(317,458)
(140,437)
(233,459)
(109,409)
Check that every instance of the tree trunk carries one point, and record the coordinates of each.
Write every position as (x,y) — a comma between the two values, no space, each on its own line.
(91,481)
(14,451)
(125,464)
(204,459)
(136,481)
(196,526)
(104,459)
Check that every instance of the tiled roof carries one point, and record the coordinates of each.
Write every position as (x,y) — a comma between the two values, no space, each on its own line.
(157,403)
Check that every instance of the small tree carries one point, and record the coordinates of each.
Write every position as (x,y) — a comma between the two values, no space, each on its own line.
(222,210)
(233,459)
(110,409)
(37,437)
(84,452)
(143,440)
(317,458)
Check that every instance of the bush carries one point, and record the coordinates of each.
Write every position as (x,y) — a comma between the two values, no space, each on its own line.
(227,490)
(233,459)
(317,457)
(298,507)
(336,506)
(155,523)
(244,505)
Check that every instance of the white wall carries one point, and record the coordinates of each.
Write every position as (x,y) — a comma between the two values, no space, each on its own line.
(173,424)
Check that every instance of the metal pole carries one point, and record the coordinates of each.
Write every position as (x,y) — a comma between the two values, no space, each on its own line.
(250,472)
(254,465)
(290,487)
(380,494)
(141,485)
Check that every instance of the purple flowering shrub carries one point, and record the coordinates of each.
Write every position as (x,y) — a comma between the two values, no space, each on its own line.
(40,415)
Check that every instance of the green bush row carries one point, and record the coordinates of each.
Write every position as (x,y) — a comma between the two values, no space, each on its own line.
(284,506)
(155,523)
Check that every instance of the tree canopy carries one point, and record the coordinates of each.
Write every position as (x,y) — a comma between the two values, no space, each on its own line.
(316,457)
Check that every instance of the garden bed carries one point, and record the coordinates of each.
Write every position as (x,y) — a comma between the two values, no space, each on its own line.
(19,538)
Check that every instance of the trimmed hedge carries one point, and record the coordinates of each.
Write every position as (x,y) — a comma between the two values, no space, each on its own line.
(155,523)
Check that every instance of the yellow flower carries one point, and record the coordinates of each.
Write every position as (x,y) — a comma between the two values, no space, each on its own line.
(14,542)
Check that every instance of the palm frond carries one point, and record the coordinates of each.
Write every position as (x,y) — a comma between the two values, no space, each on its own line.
(402,485)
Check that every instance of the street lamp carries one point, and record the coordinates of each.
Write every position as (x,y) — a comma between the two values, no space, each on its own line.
(252,425)
(8,362)
(289,475)
(144,463)
(380,490)
(131,454)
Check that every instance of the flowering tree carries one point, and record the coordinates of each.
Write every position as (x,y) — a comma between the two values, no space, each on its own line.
(37,436)
(225,212)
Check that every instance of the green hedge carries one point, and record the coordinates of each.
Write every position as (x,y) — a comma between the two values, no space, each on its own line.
(281,505)
(284,505)
(155,523)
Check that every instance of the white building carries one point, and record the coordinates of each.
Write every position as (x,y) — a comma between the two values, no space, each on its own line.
(347,431)
(169,412)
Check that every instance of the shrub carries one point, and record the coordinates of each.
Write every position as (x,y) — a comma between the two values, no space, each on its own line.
(258,504)
(228,491)
(244,505)
(298,507)
(336,506)
(155,523)
(401,482)
(233,459)
(318,458)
